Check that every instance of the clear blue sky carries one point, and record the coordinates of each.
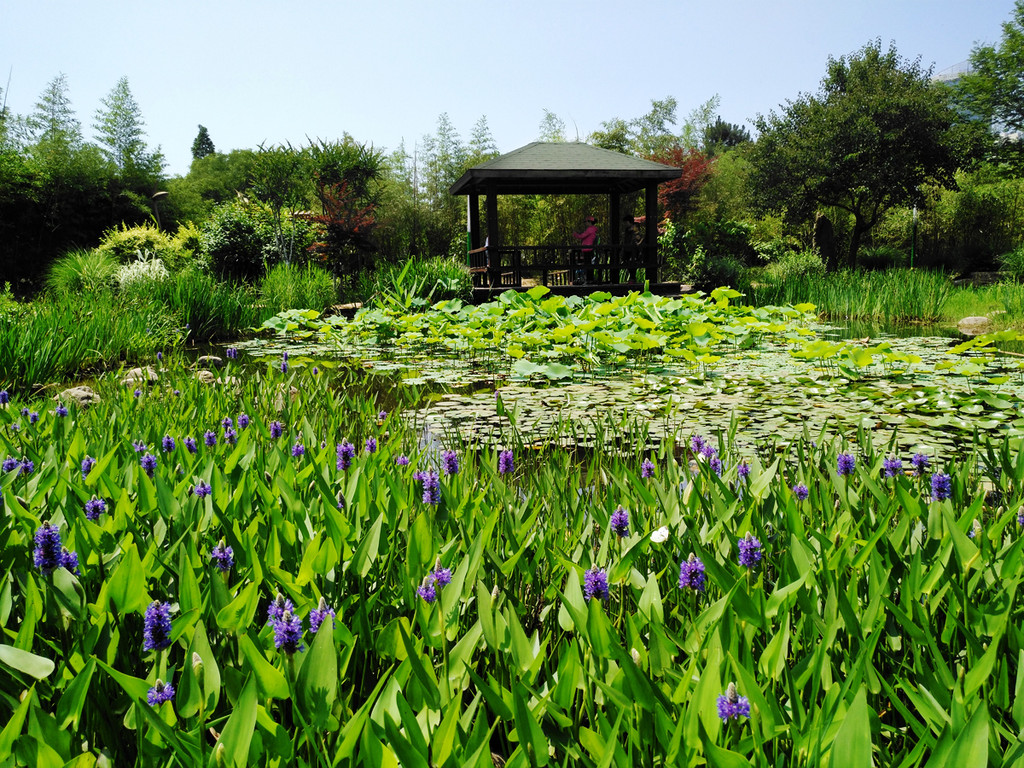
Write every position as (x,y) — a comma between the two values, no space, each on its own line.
(384,70)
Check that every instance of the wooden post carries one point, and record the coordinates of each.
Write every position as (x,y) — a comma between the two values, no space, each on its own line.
(614,236)
(651,232)
(474,221)
(493,251)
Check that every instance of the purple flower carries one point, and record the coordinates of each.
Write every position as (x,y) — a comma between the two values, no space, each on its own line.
(1020,517)
(157,632)
(732,706)
(209,438)
(920,462)
(427,590)
(288,631)
(298,450)
(138,446)
(506,462)
(371,445)
(620,522)
(10,464)
(316,370)
(160,693)
(69,560)
(94,508)
(227,423)
(243,421)
(647,469)
(344,453)
(382,416)
(801,492)
(750,551)
(402,461)
(716,465)
(891,467)
(190,444)
(450,462)
(431,486)
(230,436)
(692,575)
(148,462)
(27,466)
(177,392)
(5,397)
(232,353)
(941,487)
(87,464)
(47,554)
(277,608)
(697,443)
(33,417)
(202,489)
(595,583)
(845,463)
(284,364)
(276,429)
(319,614)
(743,470)
(160,357)
(137,393)
(61,411)
(168,443)
(222,557)
(442,576)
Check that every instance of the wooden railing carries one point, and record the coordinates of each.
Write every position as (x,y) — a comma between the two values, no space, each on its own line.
(553,265)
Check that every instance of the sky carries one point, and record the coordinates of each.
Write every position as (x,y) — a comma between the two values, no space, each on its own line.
(383,71)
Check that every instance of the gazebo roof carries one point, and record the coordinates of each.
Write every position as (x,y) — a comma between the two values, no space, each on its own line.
(562,168)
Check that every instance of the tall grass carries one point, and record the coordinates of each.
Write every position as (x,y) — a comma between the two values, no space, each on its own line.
(209,309)
(82,271)
(291,286)
(426,280)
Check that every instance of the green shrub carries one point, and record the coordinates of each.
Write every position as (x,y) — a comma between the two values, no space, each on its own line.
(210,309)
(1011,263)
(241,242)
(416,282)
(707,272)
(291,286)
(881,257)
(82,271)
(127,244)
(189,239)
(793,264)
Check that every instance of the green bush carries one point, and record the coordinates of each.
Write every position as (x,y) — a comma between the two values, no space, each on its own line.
(241,242)
(707,272)
(1011,263)
(881,257)
(126,244)
(209,309)
(417,282)
(82,271)
(793,264)
(291,286)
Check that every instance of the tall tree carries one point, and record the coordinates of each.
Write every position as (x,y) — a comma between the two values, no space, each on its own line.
(875,131)
(53,123)
(994,88)
(120,131)
(203,144)
(722,135)
(552,127)
(481,143)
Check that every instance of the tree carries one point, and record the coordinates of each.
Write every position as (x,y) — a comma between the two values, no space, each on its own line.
(994,88)
(120,132)
(203,144)
(552,127)
(875,131)
(679,196)
(481,143)
(722,135)
(279,178)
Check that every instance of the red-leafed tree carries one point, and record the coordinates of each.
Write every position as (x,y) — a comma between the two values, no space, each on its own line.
(347,223)
(679,196)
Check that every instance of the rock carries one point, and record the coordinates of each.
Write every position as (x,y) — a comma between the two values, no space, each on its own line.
(83,396)
(206,377)
(140,376)
(974,325)
(210,361)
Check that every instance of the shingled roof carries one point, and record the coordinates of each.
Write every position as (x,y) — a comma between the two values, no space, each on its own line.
(562,168)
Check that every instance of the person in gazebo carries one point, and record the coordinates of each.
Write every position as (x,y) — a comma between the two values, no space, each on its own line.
(587,238)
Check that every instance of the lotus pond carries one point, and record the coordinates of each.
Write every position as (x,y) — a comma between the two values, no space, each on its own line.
(277,569)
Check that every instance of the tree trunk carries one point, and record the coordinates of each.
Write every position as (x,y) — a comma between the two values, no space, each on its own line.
(859,228)
(825,241)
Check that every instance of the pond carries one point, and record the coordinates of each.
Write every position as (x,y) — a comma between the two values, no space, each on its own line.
(765,394)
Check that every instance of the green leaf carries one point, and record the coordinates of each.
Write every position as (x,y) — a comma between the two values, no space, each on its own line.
(238,732)
(236,616)
(23,661)
(69,709)
(366,553)
(271,680)
(127,584)
(531,737)
(12,730)
(317,684)
(970,750)
(852,746)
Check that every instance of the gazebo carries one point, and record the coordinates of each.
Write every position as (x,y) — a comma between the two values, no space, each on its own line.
(572,168)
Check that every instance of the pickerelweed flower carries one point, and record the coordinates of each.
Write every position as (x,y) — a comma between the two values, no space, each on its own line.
(209,438)
(27,466)
(975,530)
(87,464)
(891,467)
(344,454)
(845,463)
(46,555)
(318,615)
(190,444)
(371,445)
(137,394)
(5,397)
(33,417)
(402,460)
(647,469)
(801,492)
(277,607)
(382,416)
(941,487)
(428,589)
(450,462)
(298,450)
(431,487)
(138,446)
(692,575)
(10,464)
(60,410)
(619,522)
(697,443)
(920,462)
(167,443)
(743,470)
(284,364)
(202,489)
(157,632)
(288,631)
(230,436)
(732,706)
(94,508)
(222,557)
(750,550)
(160,693)
(232,353)
(148,462)
(69,560)
(506,462)
(716,464)
(442,575)
(243,421)
(159,357)
(227,422)
(1020,517)
(595,583)
(276,429)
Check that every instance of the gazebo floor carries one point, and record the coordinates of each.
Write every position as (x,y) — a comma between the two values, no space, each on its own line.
(481,295)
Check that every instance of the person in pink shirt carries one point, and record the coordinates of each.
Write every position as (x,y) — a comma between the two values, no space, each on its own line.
(587,238)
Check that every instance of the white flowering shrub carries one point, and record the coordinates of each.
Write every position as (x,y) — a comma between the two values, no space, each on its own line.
(138,275)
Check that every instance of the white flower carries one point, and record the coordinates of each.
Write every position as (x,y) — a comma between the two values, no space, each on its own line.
(660,535)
